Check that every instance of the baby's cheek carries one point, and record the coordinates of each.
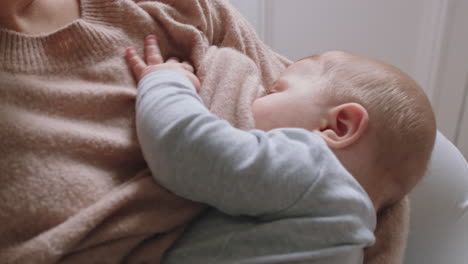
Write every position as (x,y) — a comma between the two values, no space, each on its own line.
(256,109)
(260,113)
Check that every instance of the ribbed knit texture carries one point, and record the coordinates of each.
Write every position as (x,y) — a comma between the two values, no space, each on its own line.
(74,185)
(91,37)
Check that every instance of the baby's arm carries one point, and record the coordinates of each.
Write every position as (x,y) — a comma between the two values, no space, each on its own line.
(200,157)
(286,179)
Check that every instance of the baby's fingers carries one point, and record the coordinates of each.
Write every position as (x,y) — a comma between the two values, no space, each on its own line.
(152,52)
(187,66)
(135,62)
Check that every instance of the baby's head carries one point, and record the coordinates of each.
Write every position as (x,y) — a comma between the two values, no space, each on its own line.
(375,118)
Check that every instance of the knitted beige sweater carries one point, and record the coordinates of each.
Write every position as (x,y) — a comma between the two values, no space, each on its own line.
(74,185)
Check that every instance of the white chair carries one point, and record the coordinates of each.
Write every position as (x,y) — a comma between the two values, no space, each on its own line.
(439,210)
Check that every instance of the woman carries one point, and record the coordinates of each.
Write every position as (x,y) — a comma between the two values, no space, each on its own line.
(75,187)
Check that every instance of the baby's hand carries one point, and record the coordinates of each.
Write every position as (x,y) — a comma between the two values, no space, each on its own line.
(155,62)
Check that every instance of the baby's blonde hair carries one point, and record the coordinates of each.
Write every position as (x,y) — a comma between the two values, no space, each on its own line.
(401,120)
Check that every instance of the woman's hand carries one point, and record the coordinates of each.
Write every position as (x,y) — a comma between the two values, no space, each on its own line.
(155,62)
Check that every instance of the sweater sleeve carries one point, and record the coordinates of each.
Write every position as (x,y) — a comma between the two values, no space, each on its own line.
(219,24)
(200,157)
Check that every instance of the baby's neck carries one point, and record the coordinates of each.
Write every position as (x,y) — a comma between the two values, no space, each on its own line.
(36,17)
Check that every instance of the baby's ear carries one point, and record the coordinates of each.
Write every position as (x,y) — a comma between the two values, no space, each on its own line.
(346,123)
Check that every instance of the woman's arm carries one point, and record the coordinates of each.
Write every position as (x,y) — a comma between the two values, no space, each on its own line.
(391,235)
(195,25)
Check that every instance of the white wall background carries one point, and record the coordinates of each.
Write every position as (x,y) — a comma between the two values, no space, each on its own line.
(428,39)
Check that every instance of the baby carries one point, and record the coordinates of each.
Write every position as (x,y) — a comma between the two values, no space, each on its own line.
(338,138)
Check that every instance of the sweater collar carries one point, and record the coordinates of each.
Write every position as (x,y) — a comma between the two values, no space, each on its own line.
(82,42)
